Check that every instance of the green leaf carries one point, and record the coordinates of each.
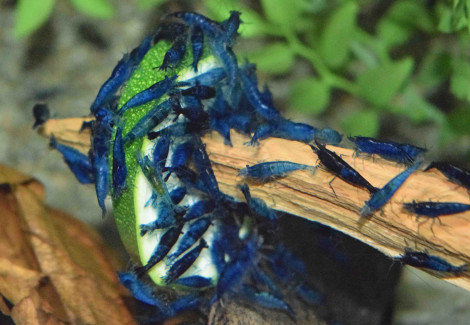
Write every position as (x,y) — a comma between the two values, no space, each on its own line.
(94,8)
(460,80)
(146,4)
(309,95)
(274,58)
(282,14)
(435,68)
(414,106)
(365,123)
(378,85)
(459,120)
(31,14)
(335,40)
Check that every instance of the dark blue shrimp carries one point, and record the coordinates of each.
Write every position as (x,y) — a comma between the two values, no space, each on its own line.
(194,281)
(180,157)
(340,168)
(270,170)
(150,120)
(424,260)
(189,178)
(192,235)
(41,114)
(178,194)
(233,272)
(119,76)
(208,78)
(141,291)
(434,210)
(197,44)
(154,92)
(101,131)
(267,300)
(168,240)
(169,31)
(208,26)
(222,127)
(204,168)
(455,174)
(257,206)
(184,263)
(263,131)
(119,165)
(175,54)
(78,163)
(199,209)
(252,93)
(383,195)
(199,92)
(386,149)
(160,152)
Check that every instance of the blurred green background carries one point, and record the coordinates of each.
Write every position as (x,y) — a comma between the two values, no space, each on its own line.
(397,70)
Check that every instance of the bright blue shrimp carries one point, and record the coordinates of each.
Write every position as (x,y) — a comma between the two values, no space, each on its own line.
(271,170)
(154,92)
(78,163)
(383,195)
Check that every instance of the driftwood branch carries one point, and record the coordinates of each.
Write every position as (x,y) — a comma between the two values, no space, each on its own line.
(308,195)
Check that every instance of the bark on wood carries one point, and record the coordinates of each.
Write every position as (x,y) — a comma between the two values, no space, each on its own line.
(309,195)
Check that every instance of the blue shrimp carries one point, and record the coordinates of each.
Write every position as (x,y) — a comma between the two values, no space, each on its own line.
(174,55)
(160,152)
(194,281)
(267,300)
(389,150)
(169,31)
(150,120)
(253,95)
(119,165)
(142,291)
(204,168)
(101,139)
(178,194)
(199,209)
(257,205)
(270,170)
(209,27)
(340,168)
(424,260)
(197,44)
(434,210)
(383,195)
(192,235)
(154,92)
(168,240)
(78,163)
(233,271)
(456,174)
(230,64)
(184,263)
(230,27)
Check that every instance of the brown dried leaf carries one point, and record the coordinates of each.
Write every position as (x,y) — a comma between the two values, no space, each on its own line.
(53,268)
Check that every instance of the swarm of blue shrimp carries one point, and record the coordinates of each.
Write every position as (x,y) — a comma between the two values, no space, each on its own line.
(193,237)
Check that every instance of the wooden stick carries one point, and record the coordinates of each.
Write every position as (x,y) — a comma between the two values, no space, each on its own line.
(309,195)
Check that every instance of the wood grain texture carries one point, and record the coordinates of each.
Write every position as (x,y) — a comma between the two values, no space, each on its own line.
(308,195)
